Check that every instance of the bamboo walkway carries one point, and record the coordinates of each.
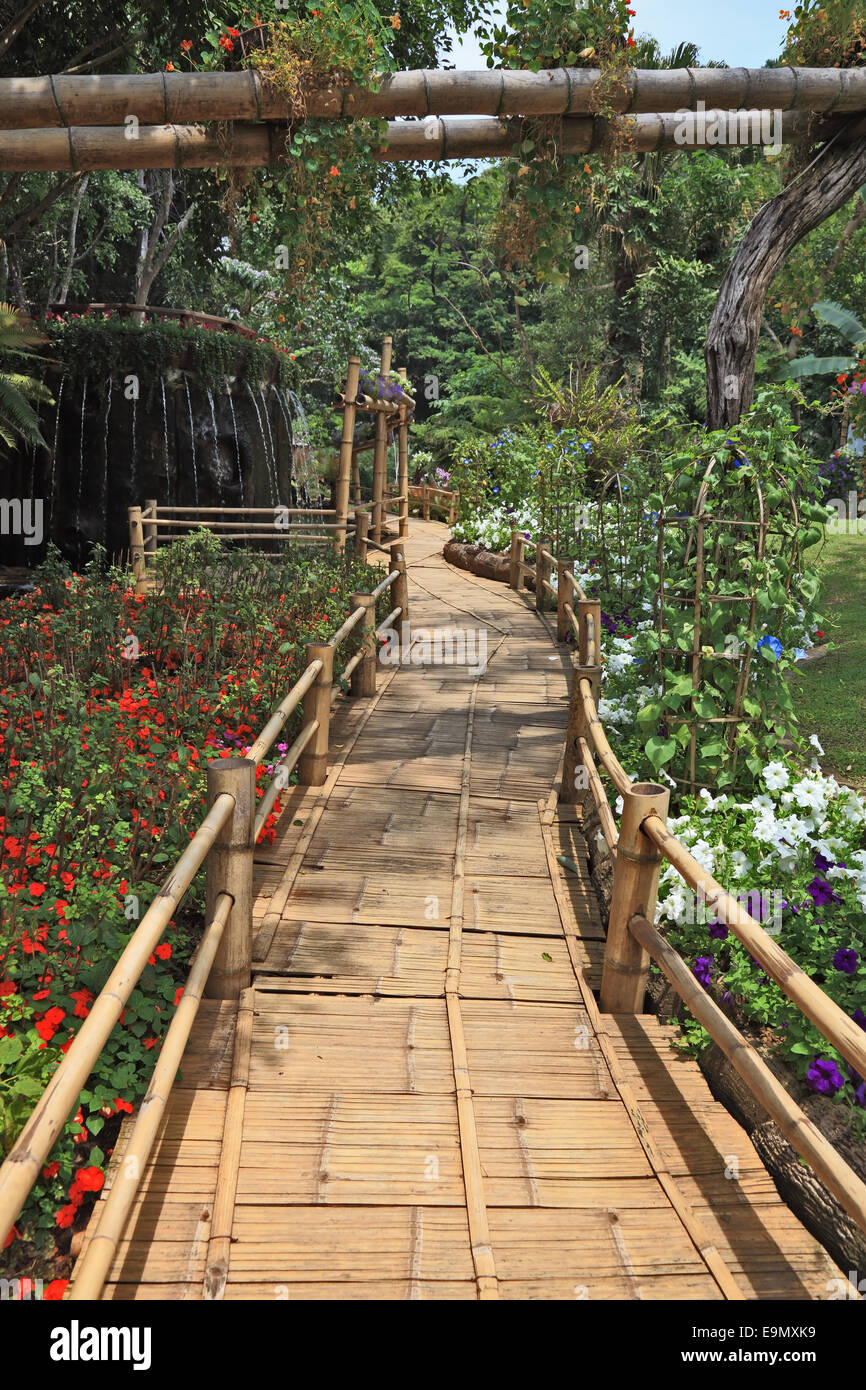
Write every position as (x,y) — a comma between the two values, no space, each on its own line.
(418,1097)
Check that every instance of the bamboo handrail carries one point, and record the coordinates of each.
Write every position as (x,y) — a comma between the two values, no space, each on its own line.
(386,622)
(343,631)
(572,618)
(352,663)
(570,579)
(605,814)
(848,1188)
(22,1166)
(268,527)
(286,707)
(386,582)
(826,1015)
(606,756)
(102,1248)
(282,771)
(245,511)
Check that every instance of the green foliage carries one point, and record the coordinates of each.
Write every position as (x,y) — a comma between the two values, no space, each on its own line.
(18,391)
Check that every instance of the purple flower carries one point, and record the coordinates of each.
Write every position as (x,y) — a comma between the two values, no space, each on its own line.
(860,1095)
(771,644)
(821,893)
(859,1018)
(719,931)
(727,997)
(825,1077)
(846,961)
(822,864)
(703,969)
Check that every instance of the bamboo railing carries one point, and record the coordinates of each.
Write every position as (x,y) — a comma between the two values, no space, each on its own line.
(638,849)
(222,965)
(395,415)
(428,495)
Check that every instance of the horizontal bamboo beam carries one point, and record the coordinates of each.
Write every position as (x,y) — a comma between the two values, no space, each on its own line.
(284,709)
(605,814)
(344,630)
(387,581)
(606,756)
(798,1129)
(826,1015)
(165,98)
(83,148)
(284,769)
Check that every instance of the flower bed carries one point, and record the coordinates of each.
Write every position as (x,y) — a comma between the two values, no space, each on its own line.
(110,705)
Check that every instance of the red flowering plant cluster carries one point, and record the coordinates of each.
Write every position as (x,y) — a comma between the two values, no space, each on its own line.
(103,750)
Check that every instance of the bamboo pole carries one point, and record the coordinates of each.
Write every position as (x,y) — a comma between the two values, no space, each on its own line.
(635,885)
(282,771)
(345,465)
(85,148)
(581,676)
(136,547)
(364,674)
(605,754)
(515,555)
(798,1129)
(313,765)
(380,459)
(542,574)
(92,1272)
(605,815)
(403,464)
(347,626)
(222,1220)
(229,870)
(356,478)
(832,1021)
(401,583)
(362,527)
(284,709)
(150,506)
(24,1162)
(166,98)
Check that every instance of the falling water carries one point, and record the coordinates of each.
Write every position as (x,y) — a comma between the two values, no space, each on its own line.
(307,479)
(165,436)
(274,469)
(264,442)
(132,475)
(216,453)
(54,450)
(81,466)
(105,466)
(192,438)
(301,489)
(237,444)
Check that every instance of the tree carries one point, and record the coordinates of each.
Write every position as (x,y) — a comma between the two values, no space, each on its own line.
(18,420)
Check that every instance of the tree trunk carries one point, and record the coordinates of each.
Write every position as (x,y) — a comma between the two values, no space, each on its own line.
(72,240)
(732,338)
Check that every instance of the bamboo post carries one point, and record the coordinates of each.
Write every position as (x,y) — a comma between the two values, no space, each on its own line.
(584,669)
(515,555)
(563,593)
(229,869)
(363,678)
(313,764)
(425,502)
(380,451)
(150,505)
(136,547)
(635,886)
(356,478)
(403,465)
(452,510)
(362,526)
(400,589)
(542,572)
(346,445)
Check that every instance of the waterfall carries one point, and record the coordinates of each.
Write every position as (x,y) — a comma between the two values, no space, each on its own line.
(291,436)
(216,452)
(192,438)
(132,475)
(165,437)
(81,466)
(105,466)
(306,476)
(54,450)
(237,442)
(274,469)
(264,441)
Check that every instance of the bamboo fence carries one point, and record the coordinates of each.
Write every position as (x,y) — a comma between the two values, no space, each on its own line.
(222,966)
(639,847)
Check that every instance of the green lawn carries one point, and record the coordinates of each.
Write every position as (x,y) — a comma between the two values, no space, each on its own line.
(831,695)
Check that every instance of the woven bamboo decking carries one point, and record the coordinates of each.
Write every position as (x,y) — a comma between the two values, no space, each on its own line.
(418,1098)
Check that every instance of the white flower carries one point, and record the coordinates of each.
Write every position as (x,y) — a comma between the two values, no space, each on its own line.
(740,864)
(776,776)
(813,739)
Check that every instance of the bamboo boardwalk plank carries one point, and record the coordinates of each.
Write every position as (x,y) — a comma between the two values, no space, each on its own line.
(434,1108)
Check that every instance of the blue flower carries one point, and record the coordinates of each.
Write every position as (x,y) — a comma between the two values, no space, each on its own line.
(773,644)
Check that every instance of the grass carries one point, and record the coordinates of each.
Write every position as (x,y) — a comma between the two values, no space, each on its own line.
(830,695)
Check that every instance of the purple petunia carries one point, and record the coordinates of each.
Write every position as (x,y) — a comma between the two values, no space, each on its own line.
(846,960)
(703,969)
(821,893)
(825,1077)
(718,931)
(822,864)
(859,1018)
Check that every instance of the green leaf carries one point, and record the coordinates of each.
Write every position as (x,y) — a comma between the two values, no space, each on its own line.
(660,750)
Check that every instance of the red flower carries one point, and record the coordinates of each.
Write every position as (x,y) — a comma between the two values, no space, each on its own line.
(177,995)
(56,1289)
(89,1179)
(235,33)
(121,1104)
(66,1216)
(186,45)
(51,1170)
(14,1234)
(36,890)
(163,951)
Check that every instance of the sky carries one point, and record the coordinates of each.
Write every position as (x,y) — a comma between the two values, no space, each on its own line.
(741,33)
